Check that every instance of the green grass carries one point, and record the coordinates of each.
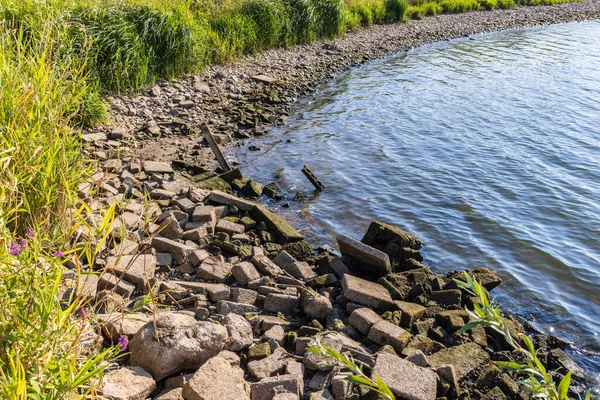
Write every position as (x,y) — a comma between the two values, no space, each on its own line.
(57,59)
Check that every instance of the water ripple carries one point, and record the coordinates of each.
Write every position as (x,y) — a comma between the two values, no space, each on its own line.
(486,147)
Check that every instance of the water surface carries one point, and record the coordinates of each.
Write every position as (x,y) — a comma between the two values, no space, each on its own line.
(487,148)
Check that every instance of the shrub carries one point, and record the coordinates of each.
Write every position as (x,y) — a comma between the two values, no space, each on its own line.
(330,17)
(395,10)
(272,21)
(236,34)
(459,6)
(303,20)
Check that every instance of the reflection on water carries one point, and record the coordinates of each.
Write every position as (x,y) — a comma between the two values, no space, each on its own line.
(488,148)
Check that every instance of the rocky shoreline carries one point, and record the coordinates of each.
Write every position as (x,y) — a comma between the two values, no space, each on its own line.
(244,293)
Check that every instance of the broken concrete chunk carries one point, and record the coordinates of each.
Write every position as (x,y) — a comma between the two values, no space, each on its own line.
(404,378)
(266,266)
(136,269)
(366,292)
(213,268)
(239,330)
(179,251)
(384,332)
(154,167)
(227,307)
(229,227)
(283,303)
(373,260)
(244,272)
(363,319)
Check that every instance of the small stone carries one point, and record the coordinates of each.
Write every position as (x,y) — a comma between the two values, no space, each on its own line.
(259,351)
(186,104)
(268,388)
(266,266)
(179,251)
(136,269)
(410,312)
(245,296)
(170,394)
(315,305)
(170,228)
(451,297)
(230,200)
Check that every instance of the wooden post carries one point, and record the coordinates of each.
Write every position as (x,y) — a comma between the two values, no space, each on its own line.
(313,178)
(215,148)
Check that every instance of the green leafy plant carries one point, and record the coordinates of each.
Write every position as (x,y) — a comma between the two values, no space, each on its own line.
(345,362)
(537,378)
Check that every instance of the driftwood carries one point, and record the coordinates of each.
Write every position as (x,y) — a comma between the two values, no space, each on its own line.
(313,178)
(215,148)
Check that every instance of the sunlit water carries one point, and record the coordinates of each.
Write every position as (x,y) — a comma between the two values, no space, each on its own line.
(487,148)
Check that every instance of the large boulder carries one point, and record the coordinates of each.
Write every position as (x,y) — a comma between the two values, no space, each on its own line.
(174,342)
(217,379)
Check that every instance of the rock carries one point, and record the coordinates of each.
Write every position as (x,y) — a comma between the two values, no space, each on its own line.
(136,269)
(486,278)
(264,79)
(268,388)
(115,325)
(196,257)
(277,225)
(410,312)
(451,297)
(363,319)
(404,378)
(315,305)
(259,351)
(229,227)
(179,251)
(494,394)
(128,383)
(154,167)
(161,194)
(464,358)
(383,234)
(253,189)
(244,272)
(239,330)
(170,394)
(266,266)
(366,256)
(174,342)
(297,269)
(558,359)
(283,303)
(170,228)
(108,281)
(384,332)
(215,184)
(178,381)
(231,200)
(213,268)
(217,379)
(268,366)
(366,292)
(227,307)
(204,214)
(417,357)
(245,296)
(186,104)
(276,333)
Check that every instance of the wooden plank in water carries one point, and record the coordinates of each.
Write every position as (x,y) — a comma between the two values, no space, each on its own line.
(313,178)
(215,148)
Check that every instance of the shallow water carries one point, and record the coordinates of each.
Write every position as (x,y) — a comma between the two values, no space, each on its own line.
(487,148)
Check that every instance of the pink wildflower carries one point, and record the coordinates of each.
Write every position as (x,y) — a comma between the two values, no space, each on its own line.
(23,243)
(14,249)
(123,342)
(58,254)
(30,232)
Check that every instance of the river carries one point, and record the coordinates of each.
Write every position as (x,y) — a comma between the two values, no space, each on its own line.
(487,148)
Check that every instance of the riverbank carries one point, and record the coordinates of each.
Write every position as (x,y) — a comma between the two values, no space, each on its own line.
(412,284)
